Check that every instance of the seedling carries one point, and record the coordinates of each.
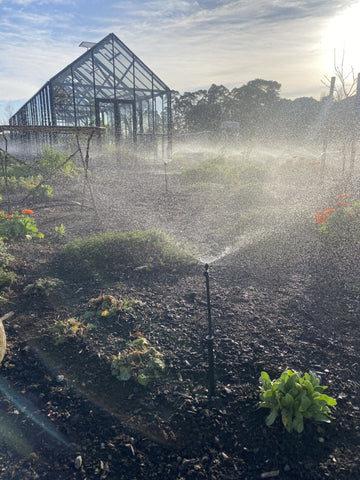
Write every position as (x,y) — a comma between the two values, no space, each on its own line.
(295,397)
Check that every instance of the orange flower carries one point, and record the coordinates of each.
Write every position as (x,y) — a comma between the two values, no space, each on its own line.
(9,216)
(351,214)
(330,210)
(26,211)
(339,204)
(342,195)
(321,217)
(29,185)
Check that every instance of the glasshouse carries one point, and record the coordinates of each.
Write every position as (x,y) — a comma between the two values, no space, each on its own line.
(108,86)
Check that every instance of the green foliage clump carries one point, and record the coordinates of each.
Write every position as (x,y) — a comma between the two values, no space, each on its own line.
(19,226)
(140,361)
(39,191)
(5,257)
(52,163)
(43,287)
(6,276)
(223,170)
(60,231)
(71,328)
(295,397)
(107,255)
(342,221)
(109,307)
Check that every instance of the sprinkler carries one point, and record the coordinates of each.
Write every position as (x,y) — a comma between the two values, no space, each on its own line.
(209,337)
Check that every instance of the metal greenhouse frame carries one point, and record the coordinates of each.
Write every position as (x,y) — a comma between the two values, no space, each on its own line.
(108,86)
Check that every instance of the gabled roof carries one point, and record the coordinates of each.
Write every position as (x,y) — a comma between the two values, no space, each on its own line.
(108,70)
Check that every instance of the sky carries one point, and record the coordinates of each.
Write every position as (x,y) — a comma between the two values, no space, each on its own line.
(188,44)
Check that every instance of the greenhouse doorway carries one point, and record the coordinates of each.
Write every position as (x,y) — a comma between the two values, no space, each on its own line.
(118,117)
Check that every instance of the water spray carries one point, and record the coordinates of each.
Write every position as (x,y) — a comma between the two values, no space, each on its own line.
(210,337)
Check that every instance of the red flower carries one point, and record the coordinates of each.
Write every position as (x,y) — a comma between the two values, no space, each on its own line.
(321,217)
(329,210)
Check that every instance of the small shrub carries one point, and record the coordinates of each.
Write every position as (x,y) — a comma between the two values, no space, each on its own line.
(295,397)
(43,287)
(106,256)
(139,361)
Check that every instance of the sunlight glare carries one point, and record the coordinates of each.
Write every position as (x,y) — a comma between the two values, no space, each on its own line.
(343,37)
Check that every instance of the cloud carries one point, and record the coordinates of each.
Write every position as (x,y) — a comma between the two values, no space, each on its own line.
(189,44)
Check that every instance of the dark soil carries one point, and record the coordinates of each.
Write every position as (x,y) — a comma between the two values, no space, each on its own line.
(270,312)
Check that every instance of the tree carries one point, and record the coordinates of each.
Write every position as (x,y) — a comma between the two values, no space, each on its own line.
(253,105)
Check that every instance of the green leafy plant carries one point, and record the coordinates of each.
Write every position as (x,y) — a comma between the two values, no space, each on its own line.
(39,191)
(71,328)
(19,225)
(295,397)
(60,231)
(6,276)
(52,163)
(5,257)
(43,287)
(108,306)
(140,361)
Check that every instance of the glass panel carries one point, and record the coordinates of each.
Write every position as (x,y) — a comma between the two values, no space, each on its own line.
(107,120)
(124,81)
(125,112)
(63,98)
(104,72)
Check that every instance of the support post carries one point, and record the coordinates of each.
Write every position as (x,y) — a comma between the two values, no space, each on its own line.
(210,337)
(328,103)
(355,126)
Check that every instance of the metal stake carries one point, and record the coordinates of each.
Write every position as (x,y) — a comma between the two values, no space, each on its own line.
(210,338)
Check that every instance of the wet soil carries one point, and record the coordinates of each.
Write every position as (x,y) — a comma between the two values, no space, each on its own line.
(64,416)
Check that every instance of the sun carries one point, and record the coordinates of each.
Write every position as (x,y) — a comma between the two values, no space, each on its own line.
(342,37)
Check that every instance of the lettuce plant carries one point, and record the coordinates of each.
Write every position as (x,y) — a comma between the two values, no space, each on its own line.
(295,397)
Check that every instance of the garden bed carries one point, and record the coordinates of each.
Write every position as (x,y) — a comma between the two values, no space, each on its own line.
(273,308)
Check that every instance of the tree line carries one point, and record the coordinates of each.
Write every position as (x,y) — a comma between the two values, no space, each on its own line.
(261,113)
